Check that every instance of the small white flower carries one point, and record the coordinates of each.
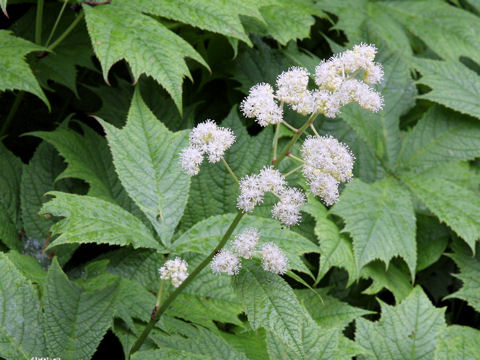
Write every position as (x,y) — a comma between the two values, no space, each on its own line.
(325,186)
(227,262)
(292,85)
(190,160)
(271,180)
(175,270)
(329,74)
(244,244)
(305,103)
(287,210)
(212,140)
(260,104)
(273,259)
(251,193)
(327,103)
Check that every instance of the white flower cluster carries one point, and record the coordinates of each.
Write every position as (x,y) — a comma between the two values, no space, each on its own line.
(338,85)
(328,162)
(205,139)
(175,270)
(244,245)
(253,188)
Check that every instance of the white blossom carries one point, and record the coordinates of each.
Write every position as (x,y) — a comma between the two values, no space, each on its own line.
(251,193)
(326,102)
(292,89)
(244,244)
(190,160)
(287,210)
(273,258)
(271,180)
(175,270)
(260,104)
(227,262)
(325,186)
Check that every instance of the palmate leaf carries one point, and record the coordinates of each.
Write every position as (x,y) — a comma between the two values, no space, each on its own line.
(9,197)
(205,235)
(92,220)
(149,47)
(252,343)
(458,343)
(75,319)
(469,274)
(145,155)
(168,354)
(381,220)
(21,325)
(453,204)
(16,74)
(442,77)
(410,330)
(440,135)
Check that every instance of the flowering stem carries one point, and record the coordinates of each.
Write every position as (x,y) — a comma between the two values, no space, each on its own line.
(294,170)
(296,158)
(184,284)
(289,126)
(38,22)
(295,138)
(314,130)
(275,142)
(159,294)
(231,171)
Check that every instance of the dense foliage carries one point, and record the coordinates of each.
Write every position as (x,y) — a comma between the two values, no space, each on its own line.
(97,102)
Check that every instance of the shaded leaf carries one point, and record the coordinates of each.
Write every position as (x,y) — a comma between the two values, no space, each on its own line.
(458,343)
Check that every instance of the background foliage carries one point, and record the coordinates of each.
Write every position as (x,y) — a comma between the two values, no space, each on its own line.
(391,271)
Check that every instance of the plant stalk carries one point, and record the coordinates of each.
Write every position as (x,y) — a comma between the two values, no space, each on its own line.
(38,22)
(57,21)
(275,142)
(184,284)
(66,32)
(230,171)
(293,171)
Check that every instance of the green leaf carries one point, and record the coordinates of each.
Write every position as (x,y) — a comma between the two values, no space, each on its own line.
(448,30)
(213,191)
(381,220)
(453,204)
(38,177)
(440,135)
(3,6)
(458,342)
(252,343)
(410,330)
(469,274)
(145,155)
(148,46)
(16,74)
(91,220)
(167,354)
(328,311)
(75,319)
(442,77)
(28,266)
(21,326)
(432,240)
(205,235)
(9,197)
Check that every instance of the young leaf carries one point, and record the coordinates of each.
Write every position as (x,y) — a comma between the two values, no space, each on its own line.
(458,342)
(205,235)
(21,325)
(145,154)
(75,319)
(9,197)
(381,220)
(469,274)
(91,220)
(147,45)
(16,73)
(410,330)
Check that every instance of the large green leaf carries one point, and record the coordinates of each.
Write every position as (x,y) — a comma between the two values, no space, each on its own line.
(10,177)
(469,274)
(91,220)
(16,74)
(145,154)
(381,220)
(148,46)
(440,135)
(168,354)
(459,343)
(21,325)
(442,77)
(452,203)
(410,330)
(213,191)
(75,319)
(205,235)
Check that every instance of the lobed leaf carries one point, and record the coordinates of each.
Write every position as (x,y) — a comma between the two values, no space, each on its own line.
(458,342)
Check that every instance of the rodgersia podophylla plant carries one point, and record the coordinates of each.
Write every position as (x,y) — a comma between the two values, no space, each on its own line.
(323,160)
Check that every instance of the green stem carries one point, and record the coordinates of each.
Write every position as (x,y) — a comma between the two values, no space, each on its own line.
(67,31)
(296,158)
(159,294)
(275,142)
(38,22)
(289,126)
(294,170)
(231,171)
(56,22)
(295,138)
(184,284)
(314,130)
(13,111)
